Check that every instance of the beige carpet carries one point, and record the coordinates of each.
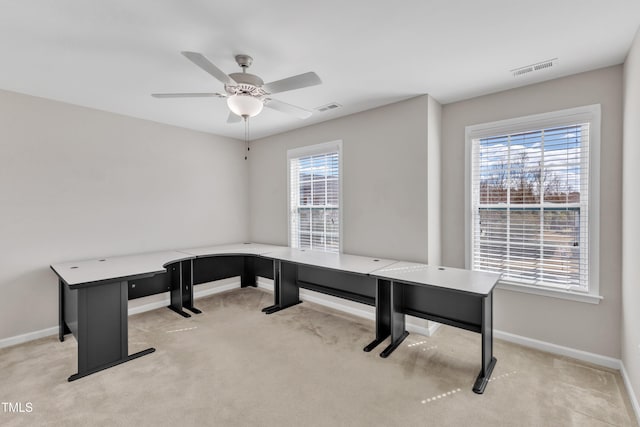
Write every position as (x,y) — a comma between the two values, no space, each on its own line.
(235,366)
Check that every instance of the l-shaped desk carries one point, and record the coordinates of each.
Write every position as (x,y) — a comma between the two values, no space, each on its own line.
(94,294)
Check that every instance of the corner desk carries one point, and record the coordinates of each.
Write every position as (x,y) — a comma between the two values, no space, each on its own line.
(94,294)
(92,305)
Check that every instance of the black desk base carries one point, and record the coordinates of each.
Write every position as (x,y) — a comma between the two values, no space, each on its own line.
(101,313)
(288,278)
(484,376)
(454,308)
(383,319)
(184,275)
(392,300)
(181,285)
(100,310)
(109,365)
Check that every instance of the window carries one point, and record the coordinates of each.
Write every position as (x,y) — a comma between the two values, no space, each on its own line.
(533,192)
(314,197)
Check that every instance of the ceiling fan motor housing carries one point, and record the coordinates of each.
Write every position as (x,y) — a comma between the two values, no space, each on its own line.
(244,61)
(248,84)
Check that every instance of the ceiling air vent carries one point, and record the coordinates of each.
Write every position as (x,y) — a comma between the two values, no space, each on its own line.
(544,65)
(329,107)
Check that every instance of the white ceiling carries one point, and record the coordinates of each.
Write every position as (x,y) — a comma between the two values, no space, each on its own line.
(111,55)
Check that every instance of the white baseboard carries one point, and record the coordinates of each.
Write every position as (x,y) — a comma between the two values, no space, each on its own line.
(30,336)
(164,302)
(217,289)
(630,392)
(416,325)
(596,359)
(433,327)
(265,284)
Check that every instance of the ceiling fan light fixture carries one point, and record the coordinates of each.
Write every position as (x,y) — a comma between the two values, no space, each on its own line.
(247,93)
(245,105)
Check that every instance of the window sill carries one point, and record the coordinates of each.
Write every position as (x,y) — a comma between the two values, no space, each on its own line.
(549,292)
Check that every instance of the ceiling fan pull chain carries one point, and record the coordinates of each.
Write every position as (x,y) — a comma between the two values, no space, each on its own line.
(246,135)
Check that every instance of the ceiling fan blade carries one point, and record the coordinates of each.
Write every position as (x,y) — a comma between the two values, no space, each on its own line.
(233,118)
(294,82)
(188,95)
(283,107)
(202,62)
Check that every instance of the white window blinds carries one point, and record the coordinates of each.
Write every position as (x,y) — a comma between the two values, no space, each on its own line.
(315,201)
(530,199)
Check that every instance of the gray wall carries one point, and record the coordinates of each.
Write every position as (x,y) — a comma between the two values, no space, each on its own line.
(630,216)
(385,180)
(588,327)
(78,183)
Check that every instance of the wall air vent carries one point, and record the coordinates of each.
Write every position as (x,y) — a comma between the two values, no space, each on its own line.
(544,65)
(329,107)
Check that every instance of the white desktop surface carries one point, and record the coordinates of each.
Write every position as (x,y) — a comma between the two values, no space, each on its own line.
(343,262)
(233,248)
(476,282)
(95,270)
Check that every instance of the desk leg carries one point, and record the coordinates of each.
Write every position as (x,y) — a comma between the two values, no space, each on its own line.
(187,286)
(248,276)
(276,288)
(383,313)
(488,361)
(176,294)
(286,290)
(103,328)
(63,329)
(398,331)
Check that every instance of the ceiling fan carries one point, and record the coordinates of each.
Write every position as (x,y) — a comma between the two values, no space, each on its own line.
(246,93)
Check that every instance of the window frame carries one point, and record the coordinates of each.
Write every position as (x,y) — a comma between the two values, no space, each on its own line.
(311,150)
(570,116)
